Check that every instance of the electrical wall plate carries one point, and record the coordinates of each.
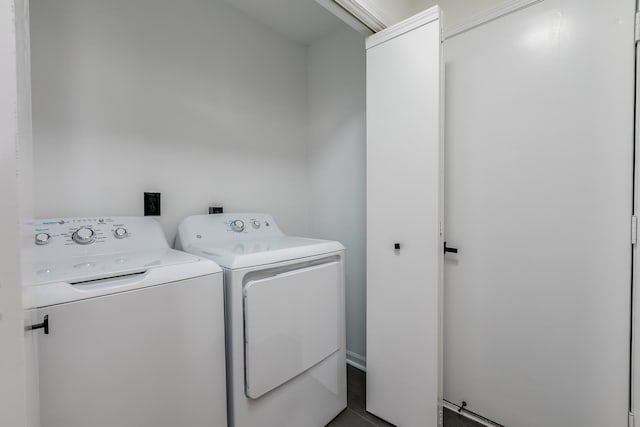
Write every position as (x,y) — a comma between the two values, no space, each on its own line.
(151,204)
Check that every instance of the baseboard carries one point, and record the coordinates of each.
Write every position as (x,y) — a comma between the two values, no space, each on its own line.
(356,360)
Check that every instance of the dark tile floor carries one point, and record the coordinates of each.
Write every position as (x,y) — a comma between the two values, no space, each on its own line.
(355,415)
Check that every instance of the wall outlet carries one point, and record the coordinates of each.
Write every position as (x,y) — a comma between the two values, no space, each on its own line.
(151,204)
(215,210)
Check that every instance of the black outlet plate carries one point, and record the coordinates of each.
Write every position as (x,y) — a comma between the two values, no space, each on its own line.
(151,204)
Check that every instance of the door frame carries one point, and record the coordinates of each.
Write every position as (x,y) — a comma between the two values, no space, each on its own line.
(634,364)
(12,361)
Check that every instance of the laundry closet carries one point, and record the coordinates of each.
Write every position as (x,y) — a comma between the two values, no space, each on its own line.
(209,103)
(233,103)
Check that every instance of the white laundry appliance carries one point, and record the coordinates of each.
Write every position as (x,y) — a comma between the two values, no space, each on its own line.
(124,330)
(285,319)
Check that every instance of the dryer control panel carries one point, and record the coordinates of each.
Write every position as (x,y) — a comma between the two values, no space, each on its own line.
(243,223)
(206,229)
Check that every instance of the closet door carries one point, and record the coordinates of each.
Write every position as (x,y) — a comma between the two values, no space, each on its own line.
(539,161)
(404,248)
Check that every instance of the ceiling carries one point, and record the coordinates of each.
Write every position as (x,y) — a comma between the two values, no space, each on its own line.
(303,21)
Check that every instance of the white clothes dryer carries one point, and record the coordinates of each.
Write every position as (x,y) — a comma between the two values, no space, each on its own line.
(122,330)
(285,319)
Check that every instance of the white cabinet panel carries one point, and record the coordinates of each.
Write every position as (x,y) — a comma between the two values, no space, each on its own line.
(147,358)
(404,208)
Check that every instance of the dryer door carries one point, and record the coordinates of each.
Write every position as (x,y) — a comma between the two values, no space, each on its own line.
(291,323)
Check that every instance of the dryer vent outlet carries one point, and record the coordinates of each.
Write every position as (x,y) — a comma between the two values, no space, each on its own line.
(151,204)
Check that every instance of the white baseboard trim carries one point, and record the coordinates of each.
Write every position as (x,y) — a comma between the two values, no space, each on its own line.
(470,415)
(356,360)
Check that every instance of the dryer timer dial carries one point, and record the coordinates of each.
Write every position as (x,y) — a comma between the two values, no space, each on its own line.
(237,225)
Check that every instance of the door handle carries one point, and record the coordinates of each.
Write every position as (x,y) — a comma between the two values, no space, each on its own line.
(448,249)
(44,325)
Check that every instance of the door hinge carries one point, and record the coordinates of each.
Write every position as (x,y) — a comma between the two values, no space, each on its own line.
(637,27)
(632,421)
(634,229)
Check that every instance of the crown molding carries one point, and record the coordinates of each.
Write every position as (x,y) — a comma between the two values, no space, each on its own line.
(365,12)
(418,20)
(487,16)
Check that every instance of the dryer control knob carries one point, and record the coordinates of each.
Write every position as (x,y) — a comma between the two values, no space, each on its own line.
(42,238)
(255,224)
(83,236)
(237,225)
(120,233)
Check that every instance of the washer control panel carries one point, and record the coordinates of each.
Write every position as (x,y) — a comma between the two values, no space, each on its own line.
(95,235)
(79,231)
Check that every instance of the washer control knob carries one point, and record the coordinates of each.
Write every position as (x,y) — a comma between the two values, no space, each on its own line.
(42,238)
(237,225)
(120,233)
(255,223)
(83,236)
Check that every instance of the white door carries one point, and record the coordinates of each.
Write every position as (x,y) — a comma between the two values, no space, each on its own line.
(12,387)
(404,248)
(538,199)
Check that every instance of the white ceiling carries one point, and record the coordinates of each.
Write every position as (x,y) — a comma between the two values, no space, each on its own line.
(303,21)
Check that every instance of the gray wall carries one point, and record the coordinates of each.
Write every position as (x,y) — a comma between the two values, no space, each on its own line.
(337,163)
(457,11)
(191,98)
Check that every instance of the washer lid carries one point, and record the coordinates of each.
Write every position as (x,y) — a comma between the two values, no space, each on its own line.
(89,277)
(249,253)
(79,270)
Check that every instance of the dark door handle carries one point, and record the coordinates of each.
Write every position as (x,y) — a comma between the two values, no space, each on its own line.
(44,325)
(452,250)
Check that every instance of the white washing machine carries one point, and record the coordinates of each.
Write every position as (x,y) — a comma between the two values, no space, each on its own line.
(285,319)
(123,330)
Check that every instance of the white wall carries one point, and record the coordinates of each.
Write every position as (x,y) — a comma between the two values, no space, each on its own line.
(393,11)
(12,389)
(457,11)
(337,162)
(192,99)
(399,10)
